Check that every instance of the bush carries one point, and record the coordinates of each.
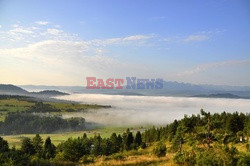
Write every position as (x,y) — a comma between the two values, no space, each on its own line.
(185,158)
(87,159)
(143,145)
(160,150)
(117,156)
(244,160)
(214,156)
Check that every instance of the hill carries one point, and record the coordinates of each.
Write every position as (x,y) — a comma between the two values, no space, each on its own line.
(221,95)
(49,93)
(11,89)
(8,89)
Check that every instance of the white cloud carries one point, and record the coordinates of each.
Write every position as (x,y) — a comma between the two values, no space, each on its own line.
(136,37)
(42,22)
(53,31)
(15,25)
(133,39)
(74,60)
(194,38)
(57,26)
(21,30)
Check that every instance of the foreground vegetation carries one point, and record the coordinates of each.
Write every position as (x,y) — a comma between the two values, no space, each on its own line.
(205,139)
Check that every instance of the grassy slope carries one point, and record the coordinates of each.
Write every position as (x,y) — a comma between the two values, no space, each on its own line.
(14,105)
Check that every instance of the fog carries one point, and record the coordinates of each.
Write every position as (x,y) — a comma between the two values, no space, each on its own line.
(150,110)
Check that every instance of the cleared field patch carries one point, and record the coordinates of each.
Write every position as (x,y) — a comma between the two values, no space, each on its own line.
(72,107)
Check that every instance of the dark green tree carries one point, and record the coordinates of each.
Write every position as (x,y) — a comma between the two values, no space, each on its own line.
(127,140)
(4,147)
(27,147)
(37,142)
(138,139)
(49,149)
(115,145)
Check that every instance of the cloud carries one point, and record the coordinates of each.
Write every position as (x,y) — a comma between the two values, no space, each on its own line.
(136,37)
(53,31)
(15,25)
(195,38)
(70,60)
(42,22)
(69,56)
(21,30)
(205,67)
(153,110)
(133,39)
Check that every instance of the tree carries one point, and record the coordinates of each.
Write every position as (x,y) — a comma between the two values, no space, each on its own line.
(74,149)
(37,142)
(49,149)
(4,147)
(236,123)
(127,139)
(172,130)
(178,139)
(97,148)
(115,146)
(207,118)
(27,147)
(138,139)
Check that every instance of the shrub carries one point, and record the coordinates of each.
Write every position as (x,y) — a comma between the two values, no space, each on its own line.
(215,156)
(117,156)
(87,159)
(185,158)
(244,160)
(160,150)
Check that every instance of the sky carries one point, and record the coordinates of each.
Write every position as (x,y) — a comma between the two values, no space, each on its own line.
(61,42)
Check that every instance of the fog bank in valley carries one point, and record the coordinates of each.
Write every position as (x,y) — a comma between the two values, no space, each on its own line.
(152,110)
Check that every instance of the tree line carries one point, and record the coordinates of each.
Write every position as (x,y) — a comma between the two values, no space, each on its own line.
(19,123)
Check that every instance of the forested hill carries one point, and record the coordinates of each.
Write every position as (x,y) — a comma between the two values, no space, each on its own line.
(9,89)
(49,93)
(222,95)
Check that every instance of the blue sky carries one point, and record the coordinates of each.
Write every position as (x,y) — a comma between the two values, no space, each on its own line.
(62,42)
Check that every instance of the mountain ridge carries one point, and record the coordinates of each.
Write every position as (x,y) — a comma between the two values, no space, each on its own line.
(10,89)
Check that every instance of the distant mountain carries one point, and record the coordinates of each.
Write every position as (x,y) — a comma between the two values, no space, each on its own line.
(221,95)
(9,89)
(170,88)
(49,93)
